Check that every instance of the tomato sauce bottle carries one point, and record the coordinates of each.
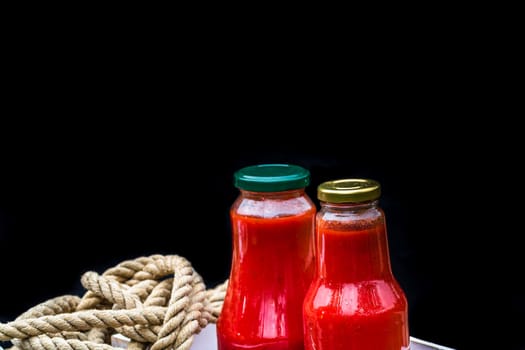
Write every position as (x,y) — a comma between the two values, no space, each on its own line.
(354,302)
(273,259)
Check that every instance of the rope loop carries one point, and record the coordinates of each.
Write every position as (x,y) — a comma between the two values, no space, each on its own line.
(159,302)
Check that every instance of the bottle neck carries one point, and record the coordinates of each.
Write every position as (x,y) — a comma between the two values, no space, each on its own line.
(352,242)
(349,208)
(273,195)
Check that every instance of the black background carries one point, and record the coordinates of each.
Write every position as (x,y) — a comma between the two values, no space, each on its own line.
(112,151)
(81,203)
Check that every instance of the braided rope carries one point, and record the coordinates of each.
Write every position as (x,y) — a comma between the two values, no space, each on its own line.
(156,301)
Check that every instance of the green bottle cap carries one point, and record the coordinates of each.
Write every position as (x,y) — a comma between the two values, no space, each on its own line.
(271,178)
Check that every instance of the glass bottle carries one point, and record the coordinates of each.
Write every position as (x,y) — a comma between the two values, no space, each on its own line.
(273,260)
(354,302)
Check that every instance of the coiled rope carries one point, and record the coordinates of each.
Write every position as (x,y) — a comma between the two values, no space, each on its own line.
(156,301)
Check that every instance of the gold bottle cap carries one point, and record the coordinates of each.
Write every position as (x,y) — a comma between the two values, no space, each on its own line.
(349,191)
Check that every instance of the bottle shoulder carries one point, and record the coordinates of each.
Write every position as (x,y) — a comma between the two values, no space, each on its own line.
(273,206)
(350,219)
(354,298)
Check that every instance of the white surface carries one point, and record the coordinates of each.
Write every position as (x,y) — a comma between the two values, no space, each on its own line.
(418,344)
(207,340)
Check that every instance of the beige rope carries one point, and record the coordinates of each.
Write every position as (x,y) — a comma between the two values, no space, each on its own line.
(157,301)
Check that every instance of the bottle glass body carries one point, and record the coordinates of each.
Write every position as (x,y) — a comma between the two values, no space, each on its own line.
(272,268)
(354,302)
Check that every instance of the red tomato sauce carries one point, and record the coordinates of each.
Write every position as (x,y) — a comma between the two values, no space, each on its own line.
(355,303)
(272,268)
